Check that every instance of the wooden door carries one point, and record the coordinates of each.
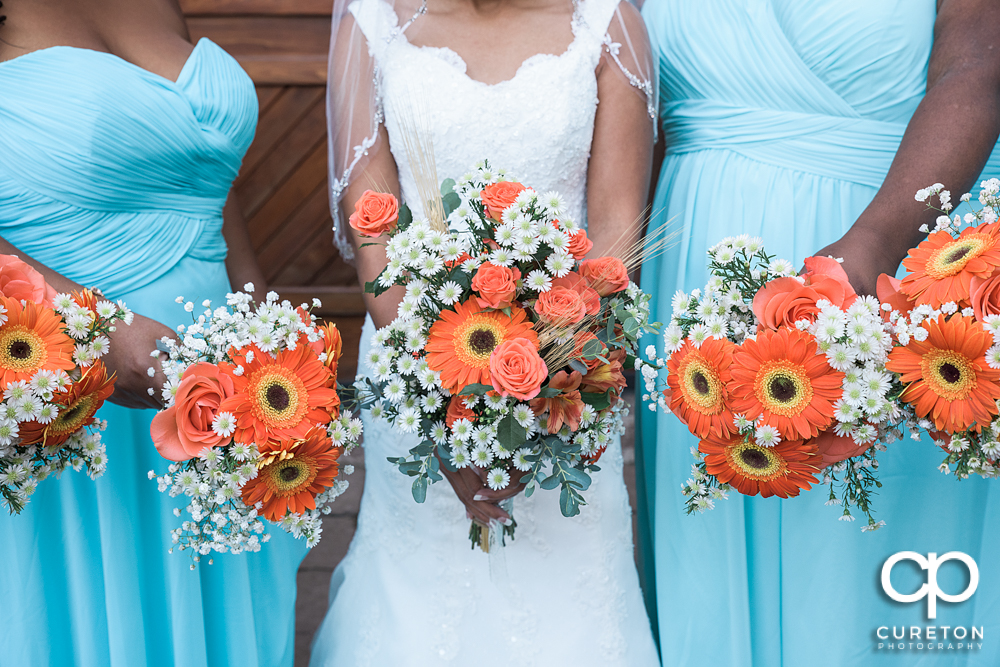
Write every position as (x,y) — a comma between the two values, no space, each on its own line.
(282,186)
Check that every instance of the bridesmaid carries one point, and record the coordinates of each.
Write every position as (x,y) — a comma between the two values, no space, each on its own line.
(805,123)
(120,142)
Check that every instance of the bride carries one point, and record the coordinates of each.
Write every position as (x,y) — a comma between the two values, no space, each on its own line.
(561,94)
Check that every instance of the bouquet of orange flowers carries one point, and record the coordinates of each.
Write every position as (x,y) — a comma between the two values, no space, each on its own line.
(781,377)
(52,379)
(945,315)
(509,350)
(252,424)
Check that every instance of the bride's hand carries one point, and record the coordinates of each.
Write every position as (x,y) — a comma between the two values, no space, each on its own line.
(129,358)
(479,500)
(865,258)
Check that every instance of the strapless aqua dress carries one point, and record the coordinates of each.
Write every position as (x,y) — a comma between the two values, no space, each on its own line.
(781,119)
(116,177)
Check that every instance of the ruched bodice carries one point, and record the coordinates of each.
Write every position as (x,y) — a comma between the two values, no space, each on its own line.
(797,85)
(117,177)
(125,163)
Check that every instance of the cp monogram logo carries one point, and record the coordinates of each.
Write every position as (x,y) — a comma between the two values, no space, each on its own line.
(930,589)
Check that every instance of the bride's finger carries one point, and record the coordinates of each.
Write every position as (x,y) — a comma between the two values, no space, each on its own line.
(489,495)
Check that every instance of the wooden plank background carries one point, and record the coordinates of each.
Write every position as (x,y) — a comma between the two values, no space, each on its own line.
(282,187)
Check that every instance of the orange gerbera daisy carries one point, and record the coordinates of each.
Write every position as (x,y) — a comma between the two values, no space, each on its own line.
(781,377)
(783,470)
(280,397)
(947,375)
(460,343)
(291,473)
(77,407)
(32,339)
(942,266)
(697,378)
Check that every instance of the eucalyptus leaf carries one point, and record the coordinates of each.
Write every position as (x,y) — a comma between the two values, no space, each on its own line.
(568,503)
(631,327)
(549,392)
(420,489)
(578,366)
(447,186)
(550,482)
(592,349)
(450,201)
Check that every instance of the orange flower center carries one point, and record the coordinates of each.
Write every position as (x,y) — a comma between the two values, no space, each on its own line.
(289,476)
(72,417)
(783,388)
(701,385)
(278,396)
(477,339)
(949,374)
(752,460)
(952,257)
(21,349)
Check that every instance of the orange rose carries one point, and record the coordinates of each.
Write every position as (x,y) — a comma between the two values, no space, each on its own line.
(575,282)
(458,410)
(579,244)
(582,337)
(560,306)
(496,285)
(887,289)
(184,429)
(375,213)
(818,268)
(785,301)
(499,196)
(18,280)
(985,295)
(836,448)
(607,275)
(516,369)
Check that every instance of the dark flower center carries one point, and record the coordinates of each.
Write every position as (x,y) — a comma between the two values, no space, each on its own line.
(482,341)
(950,374)
(783,389)
(277,397)
(754,458)
(700,383)
(958,254)
(19,349)
(290,473)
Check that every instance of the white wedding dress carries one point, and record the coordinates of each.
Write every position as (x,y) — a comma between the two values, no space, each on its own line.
(410,591)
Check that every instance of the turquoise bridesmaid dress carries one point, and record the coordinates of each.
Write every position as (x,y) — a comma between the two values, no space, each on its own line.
(116,177)
(781,118)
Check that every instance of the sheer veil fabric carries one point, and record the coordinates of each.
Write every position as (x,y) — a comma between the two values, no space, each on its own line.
(355,104)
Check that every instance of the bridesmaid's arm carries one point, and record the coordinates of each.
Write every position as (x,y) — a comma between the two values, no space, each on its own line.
(948,140)
(129,357)
(622,151)
(241,260)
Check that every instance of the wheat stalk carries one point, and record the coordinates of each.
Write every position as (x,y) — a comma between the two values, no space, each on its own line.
(419,147)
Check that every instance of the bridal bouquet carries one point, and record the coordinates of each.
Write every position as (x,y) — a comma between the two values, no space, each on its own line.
(52,379)
(781,377)
(946,318)
(509,349)
(252,424)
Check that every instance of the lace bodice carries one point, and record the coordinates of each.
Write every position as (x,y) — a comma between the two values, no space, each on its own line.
(543,116)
